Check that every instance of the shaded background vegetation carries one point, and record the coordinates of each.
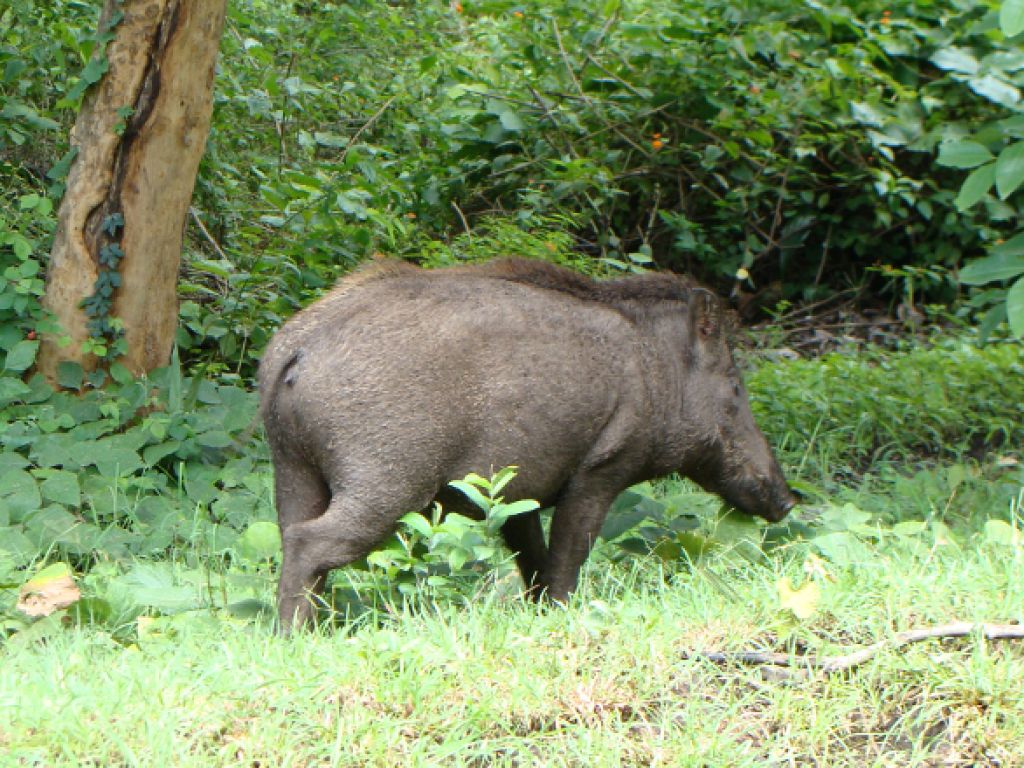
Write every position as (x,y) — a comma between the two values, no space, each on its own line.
(781,151)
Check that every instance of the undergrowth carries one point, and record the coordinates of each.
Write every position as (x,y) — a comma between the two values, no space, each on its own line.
(155,496)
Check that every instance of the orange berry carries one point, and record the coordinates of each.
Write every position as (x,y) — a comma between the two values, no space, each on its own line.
(657,135)
(410,215)
(31,335)
(517,14)
(657,144)
(755,89)
(458,7)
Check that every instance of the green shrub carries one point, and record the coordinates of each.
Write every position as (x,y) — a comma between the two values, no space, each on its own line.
(861,409)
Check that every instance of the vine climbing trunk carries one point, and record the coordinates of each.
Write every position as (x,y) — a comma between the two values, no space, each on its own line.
(112,281)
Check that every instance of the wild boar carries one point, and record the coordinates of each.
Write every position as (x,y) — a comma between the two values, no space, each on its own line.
(400,380)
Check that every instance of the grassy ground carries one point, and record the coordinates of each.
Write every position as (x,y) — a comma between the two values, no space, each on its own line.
(618,677)
(615,679)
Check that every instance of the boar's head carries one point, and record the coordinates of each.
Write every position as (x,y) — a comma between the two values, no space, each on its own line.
(727,453)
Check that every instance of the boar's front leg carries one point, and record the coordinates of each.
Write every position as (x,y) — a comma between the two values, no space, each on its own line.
(525,537)
(579,514)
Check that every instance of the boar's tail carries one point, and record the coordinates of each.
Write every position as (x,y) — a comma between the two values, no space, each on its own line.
(272,380)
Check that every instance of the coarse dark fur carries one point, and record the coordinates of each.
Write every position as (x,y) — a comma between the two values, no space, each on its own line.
(400,380)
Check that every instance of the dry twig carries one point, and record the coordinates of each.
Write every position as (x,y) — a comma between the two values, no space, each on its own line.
(807,666)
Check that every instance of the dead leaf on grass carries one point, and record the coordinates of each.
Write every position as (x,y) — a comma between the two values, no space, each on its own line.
(803,602)
(50,590)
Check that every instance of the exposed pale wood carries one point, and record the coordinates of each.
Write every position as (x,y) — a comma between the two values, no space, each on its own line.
(162,68)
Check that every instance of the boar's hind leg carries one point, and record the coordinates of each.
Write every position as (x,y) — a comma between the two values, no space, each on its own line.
(300,494)
(348,530)
(524,536)
(579,514)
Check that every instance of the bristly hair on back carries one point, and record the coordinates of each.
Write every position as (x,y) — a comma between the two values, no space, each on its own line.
(650,286)
(618,291)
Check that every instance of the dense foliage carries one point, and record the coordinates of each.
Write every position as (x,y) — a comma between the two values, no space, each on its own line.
(784,151)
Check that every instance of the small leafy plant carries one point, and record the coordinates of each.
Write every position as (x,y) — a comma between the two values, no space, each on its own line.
(447,554)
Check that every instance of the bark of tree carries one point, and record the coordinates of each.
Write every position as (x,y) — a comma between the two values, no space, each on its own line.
(161,67)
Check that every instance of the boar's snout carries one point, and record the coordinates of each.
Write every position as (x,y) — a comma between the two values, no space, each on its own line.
(770,499)
(765,495)
(782,507)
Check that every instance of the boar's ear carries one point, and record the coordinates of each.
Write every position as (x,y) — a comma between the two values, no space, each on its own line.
(705,315)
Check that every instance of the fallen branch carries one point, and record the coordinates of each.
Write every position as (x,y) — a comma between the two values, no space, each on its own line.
(808,665)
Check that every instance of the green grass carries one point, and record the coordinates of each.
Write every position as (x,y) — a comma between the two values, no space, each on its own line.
(614,679)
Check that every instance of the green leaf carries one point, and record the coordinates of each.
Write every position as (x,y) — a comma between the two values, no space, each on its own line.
(418,524)
(114,461)
(695,545)
(1015,308)
(70,374)
(457,558)
(990,321)
(519,507)
(11,460)
(995,89)
(61,167)
(95,70)
(976,186)
(261,541)
(1010,169)
(1002,533)
(472,493)
(963,154)
(502,478)
(21,356)
(151,454)
(19,493)
(842,548)
(152,586)
(54,525)
(50,573)
(510,121)
(996,266)
(92,73)
(668,550)
(17,546)
(868,114)
(16,110)
(12,389)
(121,374)
(215,438)
(61,487)
(911,527)
(1012,247)
(1011,17)
(844,518)
(956,60)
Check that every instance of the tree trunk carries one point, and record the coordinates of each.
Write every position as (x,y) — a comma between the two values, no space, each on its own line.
(140,135)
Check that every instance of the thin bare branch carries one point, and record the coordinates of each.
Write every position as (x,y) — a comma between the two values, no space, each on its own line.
(808,666)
